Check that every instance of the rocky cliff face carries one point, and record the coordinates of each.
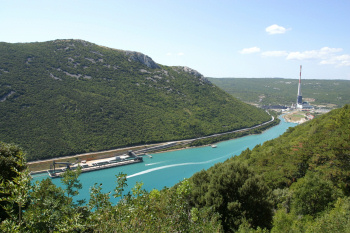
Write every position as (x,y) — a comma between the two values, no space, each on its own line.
(142,58)
(193,72)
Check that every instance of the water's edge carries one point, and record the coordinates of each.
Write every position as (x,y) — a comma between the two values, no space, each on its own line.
(168,168)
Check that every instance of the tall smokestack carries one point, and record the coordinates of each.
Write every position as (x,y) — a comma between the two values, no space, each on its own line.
(299,98)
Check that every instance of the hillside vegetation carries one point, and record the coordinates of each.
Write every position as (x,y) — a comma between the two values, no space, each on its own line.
(321,145)
(272,91)
(308,171)
(298,182)
(65,97)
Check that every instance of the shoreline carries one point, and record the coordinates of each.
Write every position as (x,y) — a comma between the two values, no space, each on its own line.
(93,157)
(288,117)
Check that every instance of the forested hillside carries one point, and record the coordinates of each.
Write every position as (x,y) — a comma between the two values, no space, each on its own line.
(298,182)
(321,145)
(307,170)
(272,91)
(65,97)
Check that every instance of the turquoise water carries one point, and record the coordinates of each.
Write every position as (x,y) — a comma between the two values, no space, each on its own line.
(168,168)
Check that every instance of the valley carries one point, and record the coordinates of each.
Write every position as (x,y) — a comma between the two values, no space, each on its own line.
(89,103)
(175,116)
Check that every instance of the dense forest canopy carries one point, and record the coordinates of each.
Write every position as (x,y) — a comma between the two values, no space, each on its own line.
(273,91)
(66,97)
(302,178)
(298,182)
(321,145)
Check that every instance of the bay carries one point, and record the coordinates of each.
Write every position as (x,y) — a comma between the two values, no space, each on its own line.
(168,168)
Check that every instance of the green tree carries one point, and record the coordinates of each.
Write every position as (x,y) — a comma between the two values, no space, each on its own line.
(335,220)
(98,200)
(121,184)
(14,186)
(100,209)
(312,195)
(70,180)
(235,192)
(16,196)
(47,207)
(289,222)
(12,161)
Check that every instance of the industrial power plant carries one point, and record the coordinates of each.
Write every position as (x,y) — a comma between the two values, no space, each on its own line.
(300,104)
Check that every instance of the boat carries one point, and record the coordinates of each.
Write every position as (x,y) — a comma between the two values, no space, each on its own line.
(213,146)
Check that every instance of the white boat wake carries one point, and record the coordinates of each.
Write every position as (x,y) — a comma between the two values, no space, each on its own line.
(173,165)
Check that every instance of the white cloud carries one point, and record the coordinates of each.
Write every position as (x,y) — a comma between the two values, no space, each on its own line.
(250,50)
(328,56)
(180,54)
(342,60)
(324,53)
(330,50)
(274,53)
(275,29)
(328,62)
(169,54)
(302,55)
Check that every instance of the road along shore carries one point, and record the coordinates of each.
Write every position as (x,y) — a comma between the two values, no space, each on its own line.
(44,165)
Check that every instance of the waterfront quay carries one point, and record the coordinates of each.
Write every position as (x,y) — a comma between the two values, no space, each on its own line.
(54,173)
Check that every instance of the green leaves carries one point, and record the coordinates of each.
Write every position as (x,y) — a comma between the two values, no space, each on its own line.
(16,193)
(235,193)
(10,156)
(99,200)
(70,180)
(308,168)
(15,182)
(121,183)
(312,195)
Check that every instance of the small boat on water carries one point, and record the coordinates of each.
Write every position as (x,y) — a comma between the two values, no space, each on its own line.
(213,146)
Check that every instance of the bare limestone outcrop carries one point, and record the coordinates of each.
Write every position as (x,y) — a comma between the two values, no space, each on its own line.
(144,59)
(193,72)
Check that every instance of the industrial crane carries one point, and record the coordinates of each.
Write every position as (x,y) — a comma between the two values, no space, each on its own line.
(68,164)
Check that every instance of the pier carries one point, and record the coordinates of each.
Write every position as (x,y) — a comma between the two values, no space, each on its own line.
(134,157)
(131,158)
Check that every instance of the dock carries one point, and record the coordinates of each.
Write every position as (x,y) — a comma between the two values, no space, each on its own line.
(130,159)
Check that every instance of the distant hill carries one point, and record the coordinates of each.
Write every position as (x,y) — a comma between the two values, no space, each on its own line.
(272,91)
(65,97)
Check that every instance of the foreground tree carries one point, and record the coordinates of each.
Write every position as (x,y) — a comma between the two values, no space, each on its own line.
(236,193)
(312,195)
(72,184)
(12,162)
(15,197)
(48,206)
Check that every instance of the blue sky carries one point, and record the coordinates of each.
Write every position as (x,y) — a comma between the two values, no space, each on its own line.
(219,38)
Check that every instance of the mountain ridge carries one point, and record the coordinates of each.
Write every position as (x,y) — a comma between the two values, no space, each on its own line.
(65,97)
